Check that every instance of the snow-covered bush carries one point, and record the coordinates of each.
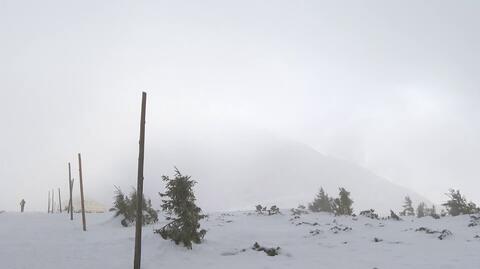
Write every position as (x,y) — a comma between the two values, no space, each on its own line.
(474,221)
(340,228)
(443,234)
(126,206)
(269,251)
(300,210)
(394,216)
(262,210)
(369,214)
(184,215)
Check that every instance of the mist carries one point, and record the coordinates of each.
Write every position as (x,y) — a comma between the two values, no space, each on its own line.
(389,87)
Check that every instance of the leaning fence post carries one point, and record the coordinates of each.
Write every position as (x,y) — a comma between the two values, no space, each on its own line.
(81,192)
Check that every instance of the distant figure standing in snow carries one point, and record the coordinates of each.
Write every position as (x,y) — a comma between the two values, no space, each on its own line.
(22,205)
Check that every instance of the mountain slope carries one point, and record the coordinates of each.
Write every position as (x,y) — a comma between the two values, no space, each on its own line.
(237,170)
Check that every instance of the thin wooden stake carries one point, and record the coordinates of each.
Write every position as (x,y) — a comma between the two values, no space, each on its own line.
(48,202)
(81,192)
(59,200)
(70,184)
(53,201)
(139,219)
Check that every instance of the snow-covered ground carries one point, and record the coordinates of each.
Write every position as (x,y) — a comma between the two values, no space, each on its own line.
(39,240)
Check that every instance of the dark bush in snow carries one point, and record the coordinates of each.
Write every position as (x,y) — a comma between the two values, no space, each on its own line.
(299,210)
(262,210)
(394,216)
(474,221)
(126,206)
(340,228)
(269,251)
(369,214)
(316,232)
(443,234)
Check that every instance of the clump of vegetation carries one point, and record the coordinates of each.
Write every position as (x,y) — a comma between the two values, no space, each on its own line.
(407,208)
(369,214)
(126,206)
(432,212)
(262,210)
(340,206)
(300,210)
(474,221)
(394,216)
(458,205)
(443,234)
(321,203)
(340,228)
(343,204)
(269,251)
(421,208)
(184,215)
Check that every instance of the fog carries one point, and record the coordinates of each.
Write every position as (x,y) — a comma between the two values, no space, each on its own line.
(392,87)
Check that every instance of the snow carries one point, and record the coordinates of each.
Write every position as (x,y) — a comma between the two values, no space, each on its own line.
(40,240)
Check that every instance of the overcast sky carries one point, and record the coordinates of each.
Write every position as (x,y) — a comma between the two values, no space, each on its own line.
(391,86)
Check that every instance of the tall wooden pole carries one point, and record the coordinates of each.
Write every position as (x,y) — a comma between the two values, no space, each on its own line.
(48,202)
(70,185)
(59,200)
(139,219)
(81,192)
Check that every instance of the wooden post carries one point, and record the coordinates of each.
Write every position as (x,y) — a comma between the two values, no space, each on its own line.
(139,219)
(70,184)
(53,201)
(81,191)
(59,200)
(48,202)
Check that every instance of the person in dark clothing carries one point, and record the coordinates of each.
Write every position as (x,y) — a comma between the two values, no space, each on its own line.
(22,205)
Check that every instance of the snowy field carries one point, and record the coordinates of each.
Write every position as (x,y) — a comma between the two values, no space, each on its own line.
(39,240)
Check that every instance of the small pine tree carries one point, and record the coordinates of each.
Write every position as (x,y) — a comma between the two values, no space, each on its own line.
(126,206)
(458,205)
(408,208)
(343,204)
(432,212)
(321,203)
(421,210)
(183,213)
